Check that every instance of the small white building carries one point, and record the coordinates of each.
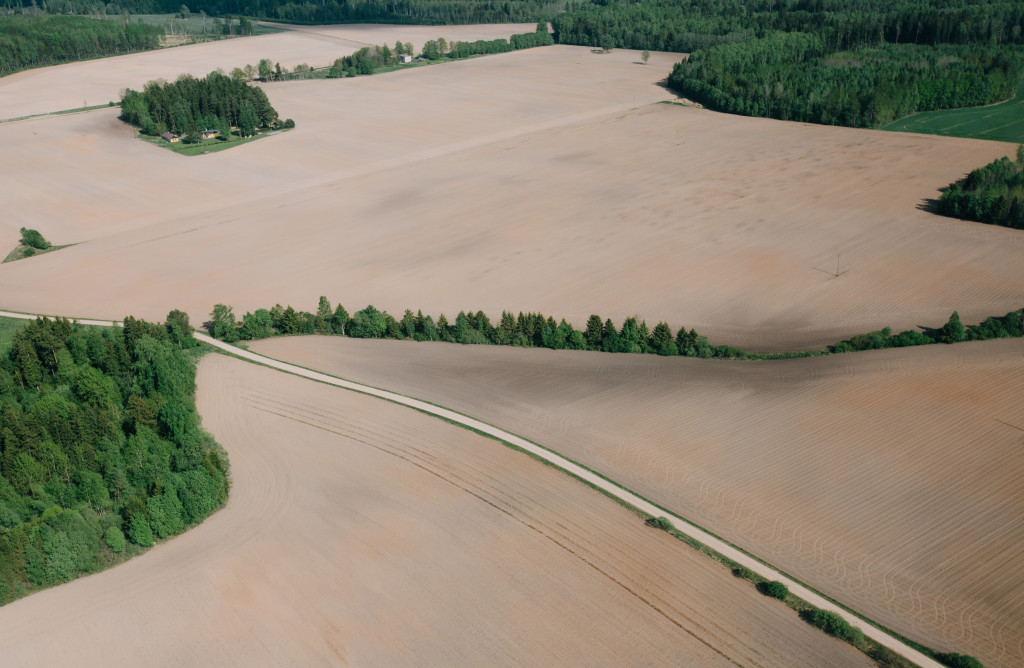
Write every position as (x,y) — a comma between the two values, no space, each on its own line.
(404,58)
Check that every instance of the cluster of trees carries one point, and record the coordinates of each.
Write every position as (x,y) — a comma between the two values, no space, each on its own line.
(529,330)
(369,59)
(189,105)
(101,452)
(793,76)
(991,194)
(1010,325)
(34,239)
(38,41)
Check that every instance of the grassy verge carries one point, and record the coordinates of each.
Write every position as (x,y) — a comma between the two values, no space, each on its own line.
(61,112)
(999,122)
(206,145)
(22,251)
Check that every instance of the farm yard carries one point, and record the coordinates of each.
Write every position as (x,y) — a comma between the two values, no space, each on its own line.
(552,179)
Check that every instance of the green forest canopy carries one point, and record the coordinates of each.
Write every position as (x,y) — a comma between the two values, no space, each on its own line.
(190,105)
(101,452)
(38,41)
(991,194)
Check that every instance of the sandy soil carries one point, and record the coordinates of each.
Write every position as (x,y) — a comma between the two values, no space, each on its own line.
(362,533)
(889,480)
(93,82)
(537,180)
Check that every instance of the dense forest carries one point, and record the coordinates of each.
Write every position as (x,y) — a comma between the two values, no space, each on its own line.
(534,330)
(991,194)
(793,76)
(101,452)
(838,62)
(190,105)
(38,41)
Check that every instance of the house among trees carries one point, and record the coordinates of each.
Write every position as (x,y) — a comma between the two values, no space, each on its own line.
(404,58)
(209,134)
(171,137)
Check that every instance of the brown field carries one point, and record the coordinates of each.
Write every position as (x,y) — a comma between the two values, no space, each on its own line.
(889,480)
(359,532)
(538,180)
(93,82)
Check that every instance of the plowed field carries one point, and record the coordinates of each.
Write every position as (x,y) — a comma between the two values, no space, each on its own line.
(359,532)
(543,179)
(889,480)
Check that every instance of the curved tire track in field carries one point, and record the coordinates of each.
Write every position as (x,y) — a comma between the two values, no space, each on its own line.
(570,467)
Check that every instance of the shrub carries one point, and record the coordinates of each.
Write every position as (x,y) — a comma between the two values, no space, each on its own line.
(954,660)
(140,532)
(743,572)
(114,539)
(662,523)
(34,239)
(288,123)
(833,624)
(775,589)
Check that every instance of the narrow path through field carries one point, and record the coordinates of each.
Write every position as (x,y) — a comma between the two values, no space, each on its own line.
(568,466)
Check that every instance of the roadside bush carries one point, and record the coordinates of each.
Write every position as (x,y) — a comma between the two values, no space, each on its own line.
(833,624)
(775,589)
(743,572)
(954,660)
(662,523)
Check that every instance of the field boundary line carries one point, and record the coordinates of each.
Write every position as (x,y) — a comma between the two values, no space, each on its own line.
(581,473)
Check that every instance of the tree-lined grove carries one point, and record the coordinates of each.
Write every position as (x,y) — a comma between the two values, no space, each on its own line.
(38,41)
(190,105)
(535,330)
(101,452)
(991,194)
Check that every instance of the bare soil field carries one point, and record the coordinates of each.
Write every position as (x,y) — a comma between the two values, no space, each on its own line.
(359,532)
(537,180)
(93,82)
(889,480)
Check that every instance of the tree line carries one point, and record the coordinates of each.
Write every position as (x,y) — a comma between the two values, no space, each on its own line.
(527,330)
(190,105)
(38,41)
(991,194)
(101,452)
(369,59)
(535,330)
(793,76)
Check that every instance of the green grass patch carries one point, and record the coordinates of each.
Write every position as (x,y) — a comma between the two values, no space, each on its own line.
(998,122)
(8,327)
(23,251)
(206,145)
(62,111)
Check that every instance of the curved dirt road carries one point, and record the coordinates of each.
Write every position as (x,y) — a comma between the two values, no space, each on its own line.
(590,478)
(610,488)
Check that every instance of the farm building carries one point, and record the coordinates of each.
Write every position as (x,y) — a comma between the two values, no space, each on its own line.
(209,134)
(167,136)
(404,58)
